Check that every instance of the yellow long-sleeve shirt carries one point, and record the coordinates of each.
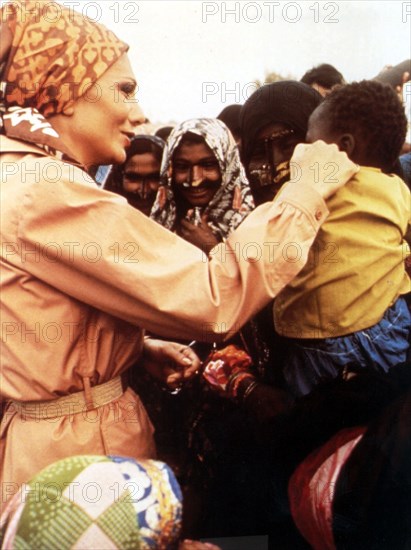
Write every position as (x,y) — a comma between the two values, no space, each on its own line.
(355,269)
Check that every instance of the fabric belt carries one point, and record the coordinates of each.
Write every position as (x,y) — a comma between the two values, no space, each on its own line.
(82,401)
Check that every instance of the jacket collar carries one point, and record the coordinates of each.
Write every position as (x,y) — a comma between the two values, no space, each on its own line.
(9,145)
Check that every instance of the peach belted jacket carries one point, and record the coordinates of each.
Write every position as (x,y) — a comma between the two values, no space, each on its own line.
(83,273)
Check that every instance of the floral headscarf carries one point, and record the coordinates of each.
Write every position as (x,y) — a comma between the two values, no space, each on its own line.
(49,57)
(95,502)
(231,203)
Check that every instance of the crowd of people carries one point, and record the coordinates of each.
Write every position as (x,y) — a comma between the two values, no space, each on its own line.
(206,327)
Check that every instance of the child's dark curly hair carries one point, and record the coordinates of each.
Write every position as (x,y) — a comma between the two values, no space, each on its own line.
(373,113)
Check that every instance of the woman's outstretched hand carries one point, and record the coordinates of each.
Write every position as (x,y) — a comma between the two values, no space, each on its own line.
(170,362)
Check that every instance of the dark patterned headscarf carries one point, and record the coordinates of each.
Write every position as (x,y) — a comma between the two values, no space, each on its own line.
(140,144)
(230,115)
(231,203)
(289,102)
(49,57)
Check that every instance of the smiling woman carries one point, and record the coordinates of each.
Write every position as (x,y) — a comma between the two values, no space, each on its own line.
(205,194)
(83,120)
(196,173)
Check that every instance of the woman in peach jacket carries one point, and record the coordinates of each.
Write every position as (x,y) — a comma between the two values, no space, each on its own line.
(82,270)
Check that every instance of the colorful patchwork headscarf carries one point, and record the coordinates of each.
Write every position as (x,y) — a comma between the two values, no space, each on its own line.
(95,502)
(233,200)
(49,57)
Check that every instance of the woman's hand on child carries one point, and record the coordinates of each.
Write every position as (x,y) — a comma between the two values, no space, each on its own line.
(323,166)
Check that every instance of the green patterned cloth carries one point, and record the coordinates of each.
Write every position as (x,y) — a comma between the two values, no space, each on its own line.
(95,502)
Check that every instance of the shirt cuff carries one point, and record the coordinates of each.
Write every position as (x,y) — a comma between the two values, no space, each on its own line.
(307,199)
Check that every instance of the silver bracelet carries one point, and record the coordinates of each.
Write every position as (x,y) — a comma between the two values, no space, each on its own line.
(249,389)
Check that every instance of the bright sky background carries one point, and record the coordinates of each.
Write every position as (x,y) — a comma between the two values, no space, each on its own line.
(192,58)
(188,55)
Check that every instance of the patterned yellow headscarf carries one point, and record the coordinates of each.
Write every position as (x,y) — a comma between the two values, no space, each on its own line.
(50,56)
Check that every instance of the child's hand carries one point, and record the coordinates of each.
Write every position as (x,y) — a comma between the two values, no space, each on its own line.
(323,166)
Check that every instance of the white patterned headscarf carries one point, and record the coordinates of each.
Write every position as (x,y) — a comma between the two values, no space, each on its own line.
(231,203)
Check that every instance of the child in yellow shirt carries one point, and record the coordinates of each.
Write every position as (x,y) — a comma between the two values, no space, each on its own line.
(346,306)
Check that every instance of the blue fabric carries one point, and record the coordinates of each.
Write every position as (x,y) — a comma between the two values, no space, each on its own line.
(380,347)
(102,174)
(405,161)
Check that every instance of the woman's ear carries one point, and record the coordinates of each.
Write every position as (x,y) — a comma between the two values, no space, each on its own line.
(346,143)
(6,41)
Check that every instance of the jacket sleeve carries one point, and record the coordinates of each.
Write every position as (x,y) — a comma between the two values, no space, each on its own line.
(91,245)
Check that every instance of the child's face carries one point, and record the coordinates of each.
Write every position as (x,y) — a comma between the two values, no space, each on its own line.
(319,127)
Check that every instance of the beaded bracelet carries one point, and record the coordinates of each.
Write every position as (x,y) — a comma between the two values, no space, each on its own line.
(230,381)
(234,382)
